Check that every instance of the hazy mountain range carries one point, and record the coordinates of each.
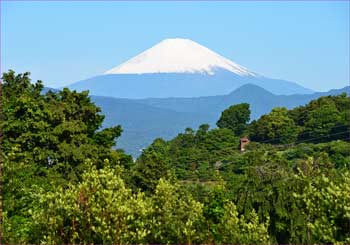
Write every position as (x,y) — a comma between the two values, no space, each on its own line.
(179,83)
(143,120)
(146,119)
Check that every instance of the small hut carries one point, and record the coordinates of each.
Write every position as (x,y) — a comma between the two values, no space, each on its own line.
(244,141)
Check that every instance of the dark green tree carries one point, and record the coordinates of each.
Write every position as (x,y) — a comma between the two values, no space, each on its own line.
(235,118)
(321,121)
(46,139)
(275,127)
(324,119)
(152,165)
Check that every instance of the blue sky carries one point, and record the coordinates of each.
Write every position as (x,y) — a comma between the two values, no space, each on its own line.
(63,42)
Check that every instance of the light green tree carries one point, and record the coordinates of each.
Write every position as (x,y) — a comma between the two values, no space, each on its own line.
(275,127)
(177,215)
(235,229)
(100,209)
(327,206)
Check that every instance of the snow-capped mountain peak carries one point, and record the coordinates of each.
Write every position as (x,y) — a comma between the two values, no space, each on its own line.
(178,55)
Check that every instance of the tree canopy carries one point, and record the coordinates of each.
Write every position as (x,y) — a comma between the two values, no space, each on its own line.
(65,182)
(235,118)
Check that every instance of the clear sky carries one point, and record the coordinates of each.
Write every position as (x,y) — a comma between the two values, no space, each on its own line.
(63,42)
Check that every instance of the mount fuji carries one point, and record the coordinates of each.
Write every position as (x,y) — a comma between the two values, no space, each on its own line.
(179,68)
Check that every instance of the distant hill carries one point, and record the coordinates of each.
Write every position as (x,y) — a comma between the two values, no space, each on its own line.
(143,120)
(261,101)
(142,123)
(146,119)
(162,85)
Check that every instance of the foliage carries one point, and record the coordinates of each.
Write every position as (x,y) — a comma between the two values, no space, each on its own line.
(177,215)
(46,139)
(235,118)
(275,127)
(151,166)
(327,205)
(324,119)
(64,183)
(241,230)
(100,209)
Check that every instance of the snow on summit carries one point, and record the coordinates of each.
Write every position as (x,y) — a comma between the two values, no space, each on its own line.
(178,56)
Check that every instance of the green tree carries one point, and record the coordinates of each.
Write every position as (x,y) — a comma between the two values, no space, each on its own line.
(324,119)
(177,215)
(54,128)
(100,209)
(46,139)
(321,121)
(275,127)
(242,230)
(327,206)
(235,118)
(152,165)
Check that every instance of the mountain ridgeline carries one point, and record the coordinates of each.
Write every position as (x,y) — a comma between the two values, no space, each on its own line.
(146,119)
(163,85)
(179,83)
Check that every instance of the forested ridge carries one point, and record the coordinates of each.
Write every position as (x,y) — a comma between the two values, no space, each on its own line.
(63,182)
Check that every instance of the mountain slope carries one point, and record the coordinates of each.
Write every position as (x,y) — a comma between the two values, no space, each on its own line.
(142,123)
(179,68)
(178,55)
(261,100)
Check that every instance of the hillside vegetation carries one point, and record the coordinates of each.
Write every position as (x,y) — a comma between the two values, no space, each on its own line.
(146,119)
(63,182)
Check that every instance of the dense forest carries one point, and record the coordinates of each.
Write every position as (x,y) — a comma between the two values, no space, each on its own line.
(63,182)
